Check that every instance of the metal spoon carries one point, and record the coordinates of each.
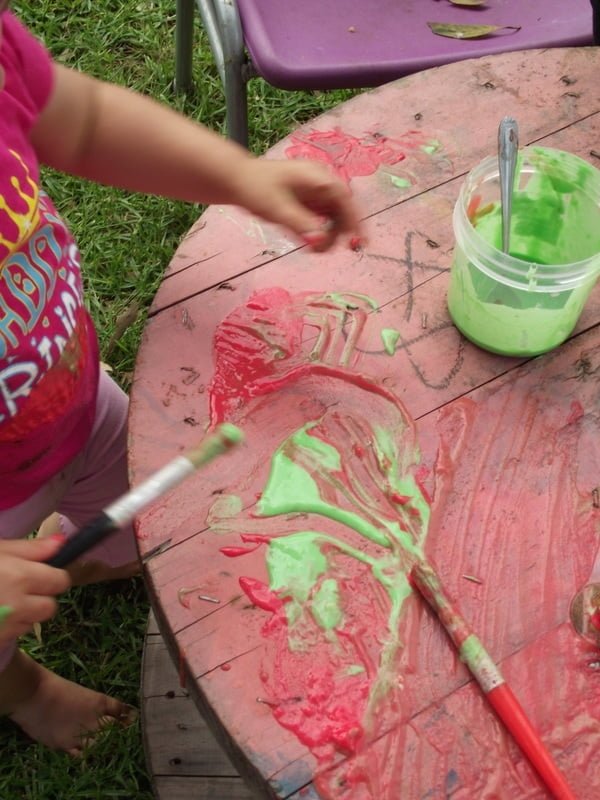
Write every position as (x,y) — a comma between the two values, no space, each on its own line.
(508,146)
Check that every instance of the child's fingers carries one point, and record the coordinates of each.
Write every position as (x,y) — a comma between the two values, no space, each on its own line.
(333,203)
(304,197)
(27,611)
(32,549)
(35,608)
(335,200)
(316,221)
(44,580)
(23,573)
(296,214)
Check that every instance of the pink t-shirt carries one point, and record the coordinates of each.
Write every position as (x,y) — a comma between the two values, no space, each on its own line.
(48,349)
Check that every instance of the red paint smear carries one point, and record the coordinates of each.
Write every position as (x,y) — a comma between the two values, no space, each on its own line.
(245,353)
(576,412)
(349,156)
(420,476)
(259,538)
(400,499)
(422,473)
(253,361)
(260,594)
(316,696)
(234,552)
(595,620)
(474,204)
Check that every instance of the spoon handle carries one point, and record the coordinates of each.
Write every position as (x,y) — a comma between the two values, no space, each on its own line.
(508,145)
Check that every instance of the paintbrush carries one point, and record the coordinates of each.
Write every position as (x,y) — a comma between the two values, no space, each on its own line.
(123,510)
(490,679)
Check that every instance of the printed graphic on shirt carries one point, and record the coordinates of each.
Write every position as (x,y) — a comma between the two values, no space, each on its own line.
(42,323)
(18,209)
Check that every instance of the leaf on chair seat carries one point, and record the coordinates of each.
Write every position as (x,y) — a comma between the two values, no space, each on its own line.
(468,31)
(468,2)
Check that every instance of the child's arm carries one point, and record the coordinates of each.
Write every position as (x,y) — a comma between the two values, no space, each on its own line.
(108,134)
(28,587)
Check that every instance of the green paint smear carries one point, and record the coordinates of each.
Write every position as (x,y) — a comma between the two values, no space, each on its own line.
(341,300)
(5,613)
(355,669)
(555,221)
(431,147)
(389,337)
(290,488)
(399,183)
(224,508)
(472,653)
(296,563)
(401,481)
(326,605)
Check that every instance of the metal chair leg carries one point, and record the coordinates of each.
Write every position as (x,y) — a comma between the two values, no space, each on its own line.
(184,39)
(224,30)
(236,105)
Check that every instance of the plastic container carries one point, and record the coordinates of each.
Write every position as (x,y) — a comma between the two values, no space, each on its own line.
(528,301)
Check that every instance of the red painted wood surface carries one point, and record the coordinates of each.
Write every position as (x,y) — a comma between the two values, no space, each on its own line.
(521,438)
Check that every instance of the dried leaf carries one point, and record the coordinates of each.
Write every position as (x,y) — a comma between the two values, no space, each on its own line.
(468,2)
(468,31)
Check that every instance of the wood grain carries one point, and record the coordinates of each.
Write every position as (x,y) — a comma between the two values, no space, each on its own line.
(183,758)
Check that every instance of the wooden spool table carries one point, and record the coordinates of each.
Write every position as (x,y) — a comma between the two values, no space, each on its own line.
(509,449)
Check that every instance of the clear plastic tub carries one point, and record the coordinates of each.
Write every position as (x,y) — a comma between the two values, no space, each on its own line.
(528,301)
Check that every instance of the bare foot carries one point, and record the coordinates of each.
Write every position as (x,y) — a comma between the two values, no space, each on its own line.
(49,526)
(53,711)
(85,572)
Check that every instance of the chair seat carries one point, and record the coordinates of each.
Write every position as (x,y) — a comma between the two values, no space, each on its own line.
(331,44)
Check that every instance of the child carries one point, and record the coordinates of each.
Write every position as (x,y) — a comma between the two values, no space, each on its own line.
(62,421)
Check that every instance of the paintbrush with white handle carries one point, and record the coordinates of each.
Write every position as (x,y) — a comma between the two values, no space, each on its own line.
(123,510)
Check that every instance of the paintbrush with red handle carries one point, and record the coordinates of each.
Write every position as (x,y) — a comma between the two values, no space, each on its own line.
(490,679)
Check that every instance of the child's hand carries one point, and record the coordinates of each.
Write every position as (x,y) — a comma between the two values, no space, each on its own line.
(27,587)
(301,195)
(108,134)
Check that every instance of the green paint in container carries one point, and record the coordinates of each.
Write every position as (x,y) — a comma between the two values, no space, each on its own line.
(527,301)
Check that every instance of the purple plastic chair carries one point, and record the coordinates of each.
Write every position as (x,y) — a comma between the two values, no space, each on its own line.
(339,44)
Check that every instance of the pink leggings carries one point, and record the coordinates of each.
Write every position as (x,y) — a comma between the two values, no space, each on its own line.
(96,477)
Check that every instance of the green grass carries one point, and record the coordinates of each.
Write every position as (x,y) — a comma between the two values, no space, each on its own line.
(126,242)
